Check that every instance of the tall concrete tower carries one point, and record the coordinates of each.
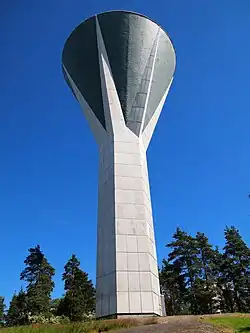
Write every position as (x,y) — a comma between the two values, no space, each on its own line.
(120,65)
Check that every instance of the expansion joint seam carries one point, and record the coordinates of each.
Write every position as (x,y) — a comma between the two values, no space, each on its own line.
(150,82)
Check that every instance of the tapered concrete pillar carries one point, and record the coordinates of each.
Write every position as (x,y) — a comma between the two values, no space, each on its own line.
(120,66)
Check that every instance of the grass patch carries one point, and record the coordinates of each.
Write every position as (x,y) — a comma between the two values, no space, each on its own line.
(87,327)
(239,323)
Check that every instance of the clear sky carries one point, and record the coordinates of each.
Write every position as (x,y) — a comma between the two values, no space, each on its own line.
(199,158)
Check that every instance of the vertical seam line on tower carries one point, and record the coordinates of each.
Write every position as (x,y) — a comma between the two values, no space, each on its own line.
(150,83)
(139,86)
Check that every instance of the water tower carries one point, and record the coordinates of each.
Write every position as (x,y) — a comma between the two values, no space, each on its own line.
(119,66)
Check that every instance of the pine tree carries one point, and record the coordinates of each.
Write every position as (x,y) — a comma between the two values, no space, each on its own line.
(18,310)
(79,298)
(236,269)
(199,277)
(185,254)
(2,311)
(38,274)
(173,288)
(225,295)
(206,255)
(206,290)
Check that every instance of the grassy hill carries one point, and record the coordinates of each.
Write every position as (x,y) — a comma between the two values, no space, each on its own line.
(86,327)
(239,323)
(232,323)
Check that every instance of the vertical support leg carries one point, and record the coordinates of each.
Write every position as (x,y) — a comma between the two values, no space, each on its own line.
(127,272)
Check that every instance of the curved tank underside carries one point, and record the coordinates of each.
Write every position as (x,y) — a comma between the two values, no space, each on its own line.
(141,58)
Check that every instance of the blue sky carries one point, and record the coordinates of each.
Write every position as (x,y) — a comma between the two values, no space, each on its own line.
(199,157)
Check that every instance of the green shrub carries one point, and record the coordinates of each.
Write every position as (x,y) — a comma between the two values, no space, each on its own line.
(41,319)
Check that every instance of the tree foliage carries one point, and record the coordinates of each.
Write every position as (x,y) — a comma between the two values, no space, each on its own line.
(79,298)
(2,311)
(18,310)
(196,278)
(173,286)
(236,269)
(38,274)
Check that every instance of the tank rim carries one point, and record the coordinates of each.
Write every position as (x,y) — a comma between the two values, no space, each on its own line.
(121,11)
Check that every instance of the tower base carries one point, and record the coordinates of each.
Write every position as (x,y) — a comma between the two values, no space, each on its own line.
(128,315)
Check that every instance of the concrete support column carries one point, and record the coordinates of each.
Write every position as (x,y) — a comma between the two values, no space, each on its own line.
(127,272)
